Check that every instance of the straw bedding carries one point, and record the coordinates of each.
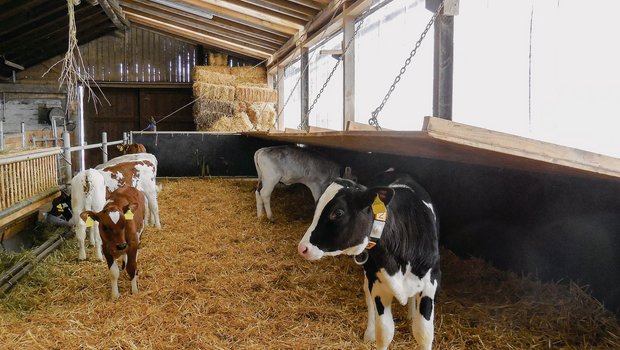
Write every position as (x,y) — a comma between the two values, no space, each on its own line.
(215,277)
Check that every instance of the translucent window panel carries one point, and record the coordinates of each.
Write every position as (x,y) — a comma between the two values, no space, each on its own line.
(292,111)
(384,42)
(574,81)
(327,112)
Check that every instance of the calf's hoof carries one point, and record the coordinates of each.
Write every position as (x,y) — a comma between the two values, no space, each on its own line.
(369,336)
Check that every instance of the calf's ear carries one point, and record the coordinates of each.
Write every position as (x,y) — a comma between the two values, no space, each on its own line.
(129,210)
(385,195)
(88,217)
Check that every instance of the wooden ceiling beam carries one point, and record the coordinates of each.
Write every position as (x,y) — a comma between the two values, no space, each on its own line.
(204,28)
(215,21)
(286,19)
(237,14)
(47,27)
(280,37)
(286,6)
(17,7)
(315,4)
(51,46)
(201,38)
(194,42)
(25,20)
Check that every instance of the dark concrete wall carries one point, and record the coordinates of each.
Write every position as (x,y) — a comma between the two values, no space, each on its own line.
(548,226)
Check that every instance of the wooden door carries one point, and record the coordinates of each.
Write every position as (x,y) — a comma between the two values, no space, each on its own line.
(160,103)
(120,115)
(130,109)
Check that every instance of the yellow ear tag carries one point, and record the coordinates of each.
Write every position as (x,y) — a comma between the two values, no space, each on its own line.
(59,207)
(90,222)
(379,209)
(128,215)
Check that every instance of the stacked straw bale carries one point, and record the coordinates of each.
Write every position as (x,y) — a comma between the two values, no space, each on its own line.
(207,112)
(233,99)
(217,59)
(217,92)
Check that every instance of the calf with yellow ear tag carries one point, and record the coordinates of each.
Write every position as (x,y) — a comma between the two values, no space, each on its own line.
(120,225)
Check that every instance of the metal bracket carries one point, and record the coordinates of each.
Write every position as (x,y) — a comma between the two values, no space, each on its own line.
(450,7)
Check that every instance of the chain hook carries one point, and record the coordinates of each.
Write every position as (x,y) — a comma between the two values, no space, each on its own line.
(373,119)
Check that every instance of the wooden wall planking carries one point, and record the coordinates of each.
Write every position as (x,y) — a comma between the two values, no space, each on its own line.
(139,56)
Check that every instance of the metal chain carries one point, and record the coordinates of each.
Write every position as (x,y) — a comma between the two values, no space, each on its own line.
(305,122)
(373,120)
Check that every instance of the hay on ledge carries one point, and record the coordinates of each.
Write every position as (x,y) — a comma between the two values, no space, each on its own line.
(216,277)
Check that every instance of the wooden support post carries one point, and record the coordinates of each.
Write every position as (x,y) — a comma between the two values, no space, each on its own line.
(443,57)
(304,88)
(348,65)
(281,97)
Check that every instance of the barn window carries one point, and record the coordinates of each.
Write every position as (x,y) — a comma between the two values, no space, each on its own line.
(327,112)
(385,40)
(292,111)
(574,72)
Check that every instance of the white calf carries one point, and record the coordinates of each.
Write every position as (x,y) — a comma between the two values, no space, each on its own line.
(289,165)
(87,193)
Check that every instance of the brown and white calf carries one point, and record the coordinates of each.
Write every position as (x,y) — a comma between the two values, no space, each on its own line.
(120,222)
(132,148)
(290,165)
(136,170)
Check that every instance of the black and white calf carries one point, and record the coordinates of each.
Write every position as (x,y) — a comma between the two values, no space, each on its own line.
(290,165)
(395,224)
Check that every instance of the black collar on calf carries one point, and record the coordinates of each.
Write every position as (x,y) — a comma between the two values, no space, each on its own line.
(380,216)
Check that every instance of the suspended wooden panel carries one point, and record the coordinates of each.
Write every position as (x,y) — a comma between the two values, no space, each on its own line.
(450,141)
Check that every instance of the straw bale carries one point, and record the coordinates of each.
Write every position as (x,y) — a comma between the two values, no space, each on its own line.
(262,115)
(217,59)
(238,122)
(244,75)
(205,76)
(205,119)
(214,92)
(250,94)
(200,71)
(207,105)
(241,106)
(215,277)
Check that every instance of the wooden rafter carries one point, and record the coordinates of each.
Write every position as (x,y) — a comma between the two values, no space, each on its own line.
(214,21)
(205,29)
(281,17)
(200,37)
(239,14)
(199,23)
(287,7)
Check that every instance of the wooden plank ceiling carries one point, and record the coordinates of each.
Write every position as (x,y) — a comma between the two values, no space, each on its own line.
(35,30)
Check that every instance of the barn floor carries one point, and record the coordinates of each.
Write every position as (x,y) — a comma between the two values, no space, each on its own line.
(215,277)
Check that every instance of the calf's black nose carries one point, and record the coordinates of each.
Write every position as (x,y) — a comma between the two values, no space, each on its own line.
(121,246)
